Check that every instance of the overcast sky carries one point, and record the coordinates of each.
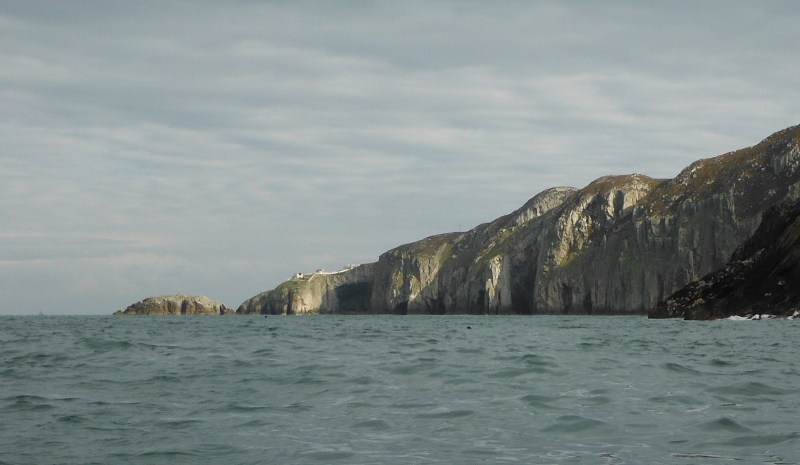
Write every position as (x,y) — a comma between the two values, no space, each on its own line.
(215,148)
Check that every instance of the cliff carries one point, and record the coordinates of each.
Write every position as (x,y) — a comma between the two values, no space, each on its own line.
(618,246)
(344,292)
(177,304)
(763,276)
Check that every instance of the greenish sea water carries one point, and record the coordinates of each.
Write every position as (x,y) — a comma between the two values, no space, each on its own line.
(397,390)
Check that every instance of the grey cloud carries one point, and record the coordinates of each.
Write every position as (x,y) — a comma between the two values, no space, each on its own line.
(153,147)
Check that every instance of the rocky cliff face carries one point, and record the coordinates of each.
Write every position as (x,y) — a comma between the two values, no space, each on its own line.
(617,246)
(763,276)
(178,304)
(344,292)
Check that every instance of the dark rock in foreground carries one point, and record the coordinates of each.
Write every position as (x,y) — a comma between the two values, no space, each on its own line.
(178,304)
(763,277)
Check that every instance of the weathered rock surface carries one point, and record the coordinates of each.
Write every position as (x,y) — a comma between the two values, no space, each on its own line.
(617,246)
(178,304)
(763,277)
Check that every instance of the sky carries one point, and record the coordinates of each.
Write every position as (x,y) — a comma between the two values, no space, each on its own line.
(215,148)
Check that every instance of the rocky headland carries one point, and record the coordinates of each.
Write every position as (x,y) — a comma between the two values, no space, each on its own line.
(620,245)
(178,304)
(719,239)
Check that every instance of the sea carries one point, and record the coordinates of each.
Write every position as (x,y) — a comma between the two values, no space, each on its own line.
(398,390)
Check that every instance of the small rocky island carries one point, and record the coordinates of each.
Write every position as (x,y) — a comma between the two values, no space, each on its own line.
(177,304)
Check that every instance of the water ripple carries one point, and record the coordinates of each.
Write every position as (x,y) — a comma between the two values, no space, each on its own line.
(397,390)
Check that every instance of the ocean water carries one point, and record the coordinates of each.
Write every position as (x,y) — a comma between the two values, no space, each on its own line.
(397,390)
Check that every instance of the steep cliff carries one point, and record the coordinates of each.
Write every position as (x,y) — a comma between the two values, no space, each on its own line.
(763,276)
(178,304)
(467,272)
(617,246)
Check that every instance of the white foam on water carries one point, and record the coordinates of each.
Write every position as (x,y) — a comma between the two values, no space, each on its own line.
(757,316)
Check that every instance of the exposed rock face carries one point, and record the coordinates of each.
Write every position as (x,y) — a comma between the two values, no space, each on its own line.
(344,292)
(617,246)
(467,272)
(178,304)
(763,277)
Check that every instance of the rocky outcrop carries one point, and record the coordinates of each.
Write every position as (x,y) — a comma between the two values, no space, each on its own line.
(343,292)
(617,246)
(763,276)
(177,304)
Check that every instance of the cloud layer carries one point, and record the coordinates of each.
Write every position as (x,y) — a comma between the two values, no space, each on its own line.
(205,148)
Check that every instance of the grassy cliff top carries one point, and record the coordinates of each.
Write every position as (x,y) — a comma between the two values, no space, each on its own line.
(747,173)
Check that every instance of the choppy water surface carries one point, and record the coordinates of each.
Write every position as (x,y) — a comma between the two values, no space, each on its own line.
(397,390)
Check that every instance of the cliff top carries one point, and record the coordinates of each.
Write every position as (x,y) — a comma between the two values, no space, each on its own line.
(744,171)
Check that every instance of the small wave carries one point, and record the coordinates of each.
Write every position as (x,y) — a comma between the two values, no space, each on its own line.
(361,381)
(237,407)
(28,403)
(295,408)
(761,440)
(675,399)
(162,379)
(411,406)
(456,380)
(166,454)
(751,389)
(179,423)
(446,415)
(539,401)
(330,455)
(573,424)
(464,350)
(516,372)
(263,351)
(722,363)
(412,369)
(252,424)
(590,345)
(678,368)
(105,345)
(106,403)
(724,424)
(375,425)
(537,361)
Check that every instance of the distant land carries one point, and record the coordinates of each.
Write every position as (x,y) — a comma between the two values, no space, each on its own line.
(720,239)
